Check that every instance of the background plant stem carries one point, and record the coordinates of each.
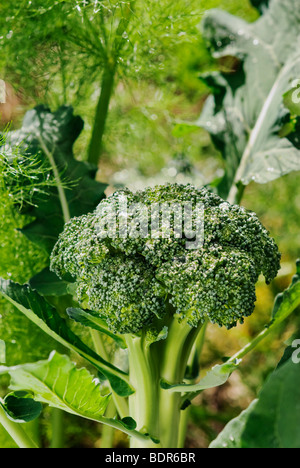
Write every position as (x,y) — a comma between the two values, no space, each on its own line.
(57,440)
(102,109)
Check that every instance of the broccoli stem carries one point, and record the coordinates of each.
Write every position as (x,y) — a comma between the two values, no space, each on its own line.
(156,411)
(143,404)
(177,350)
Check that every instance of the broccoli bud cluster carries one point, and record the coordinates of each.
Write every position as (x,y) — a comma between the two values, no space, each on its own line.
(128,278)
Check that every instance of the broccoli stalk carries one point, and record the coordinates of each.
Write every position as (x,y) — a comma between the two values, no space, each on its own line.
(157,266)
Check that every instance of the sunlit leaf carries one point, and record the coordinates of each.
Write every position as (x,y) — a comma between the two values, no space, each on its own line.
(246,112)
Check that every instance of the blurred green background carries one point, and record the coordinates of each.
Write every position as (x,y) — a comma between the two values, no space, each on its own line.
(157,87)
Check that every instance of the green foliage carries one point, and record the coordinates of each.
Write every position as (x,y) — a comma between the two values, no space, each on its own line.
(92,320)
(52,137)
(60,384)
(20,259)
(159,49)
(271,421)
(145,301)
(40,312)
(246,112)
(75,391)
(123,32)
(23,178)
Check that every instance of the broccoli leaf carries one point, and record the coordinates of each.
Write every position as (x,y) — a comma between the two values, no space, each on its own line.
(272,421)
(91,319)
(286,302)
(56,132)
(60,384)
(217,376)
(39,311)
(47,283)
(246,112)
(20,407)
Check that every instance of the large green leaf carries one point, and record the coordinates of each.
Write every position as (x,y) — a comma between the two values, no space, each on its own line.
(246,112)
(272,421)
(45,133)
(39,311)
(60,384)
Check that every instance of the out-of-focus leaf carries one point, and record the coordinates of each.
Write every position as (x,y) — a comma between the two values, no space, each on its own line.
(56,133)
(288,300)
(2,352)
(246,112)
(272,421)
(291,99)
(261,5)
(47,283)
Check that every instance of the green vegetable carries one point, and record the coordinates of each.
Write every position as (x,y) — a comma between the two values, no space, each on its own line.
(158,282)
(131,281)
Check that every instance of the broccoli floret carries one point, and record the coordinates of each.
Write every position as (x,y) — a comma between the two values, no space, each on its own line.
(124,290)
(128,277)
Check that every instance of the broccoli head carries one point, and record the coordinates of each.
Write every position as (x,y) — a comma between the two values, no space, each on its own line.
(129,259)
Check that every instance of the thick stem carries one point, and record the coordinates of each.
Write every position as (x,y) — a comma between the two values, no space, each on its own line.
(143,404)
(16,431)
(102,109)
(177,350)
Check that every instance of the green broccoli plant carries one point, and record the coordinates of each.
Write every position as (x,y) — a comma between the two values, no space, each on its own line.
(152,288)
(145,273)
